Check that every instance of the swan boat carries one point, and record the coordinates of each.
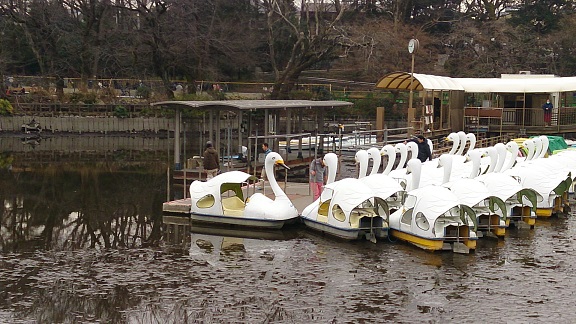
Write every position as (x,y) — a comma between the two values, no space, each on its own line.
(490,210)
(221,200)
(520,202)
(347,208)
(432,218)
(550,184)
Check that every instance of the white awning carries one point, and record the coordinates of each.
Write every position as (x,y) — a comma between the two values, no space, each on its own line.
(523,84)
(520,85)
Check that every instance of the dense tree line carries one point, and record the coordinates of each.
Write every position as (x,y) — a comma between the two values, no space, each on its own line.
(229,40)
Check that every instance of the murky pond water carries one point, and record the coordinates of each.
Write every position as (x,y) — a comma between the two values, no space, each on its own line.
(84,244)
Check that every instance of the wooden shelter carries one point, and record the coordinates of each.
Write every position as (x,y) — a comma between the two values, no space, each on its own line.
(292,112)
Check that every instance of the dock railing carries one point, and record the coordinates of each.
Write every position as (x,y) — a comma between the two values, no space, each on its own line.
(479,119)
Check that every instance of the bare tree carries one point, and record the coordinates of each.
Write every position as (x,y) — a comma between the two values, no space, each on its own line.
(298,39)
(487,9)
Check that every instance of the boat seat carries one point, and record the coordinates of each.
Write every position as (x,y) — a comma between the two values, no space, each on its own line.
(233,206)
(322,215)
(358,213)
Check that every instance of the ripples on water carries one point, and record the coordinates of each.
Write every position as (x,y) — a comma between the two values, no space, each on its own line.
(300,277)
(70,274)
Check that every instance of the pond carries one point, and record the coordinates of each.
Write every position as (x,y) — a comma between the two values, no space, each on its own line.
(86,241)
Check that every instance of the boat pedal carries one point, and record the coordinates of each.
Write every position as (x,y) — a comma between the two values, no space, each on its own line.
(522,225)
(459,247)
(490,234)
(370,237)
(480,234)
(446,247)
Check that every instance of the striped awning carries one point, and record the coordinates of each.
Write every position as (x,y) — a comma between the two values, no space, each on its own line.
(402,80)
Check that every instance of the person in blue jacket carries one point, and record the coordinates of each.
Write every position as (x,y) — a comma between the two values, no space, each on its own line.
(547,112)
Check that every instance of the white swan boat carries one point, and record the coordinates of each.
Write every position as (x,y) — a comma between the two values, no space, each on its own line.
(550,184)
(490,210)
(221,200)
(432,218)
(520,202)
(347,208)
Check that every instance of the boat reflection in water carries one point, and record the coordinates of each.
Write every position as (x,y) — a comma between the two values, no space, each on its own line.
(182,235)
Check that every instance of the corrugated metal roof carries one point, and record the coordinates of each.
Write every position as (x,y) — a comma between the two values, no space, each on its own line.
(253,104)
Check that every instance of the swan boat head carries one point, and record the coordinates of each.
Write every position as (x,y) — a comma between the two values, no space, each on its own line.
(374,154)
(361,158)
(331,161)
(389,151)
(455,139)
(413,149)
(462,140)
(472,141)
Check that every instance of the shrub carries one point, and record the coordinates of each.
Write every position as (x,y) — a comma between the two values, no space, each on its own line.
(88,98)
(301,95)
(6,107)
(143,92)
(121,112)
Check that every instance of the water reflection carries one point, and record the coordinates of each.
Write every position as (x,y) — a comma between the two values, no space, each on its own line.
(59,209)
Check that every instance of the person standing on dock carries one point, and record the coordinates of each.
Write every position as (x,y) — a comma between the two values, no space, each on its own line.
(211,161)
(424,152)
(263,175)
(317,176)
(547,112)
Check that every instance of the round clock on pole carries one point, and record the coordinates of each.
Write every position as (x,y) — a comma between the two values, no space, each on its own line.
(413,46)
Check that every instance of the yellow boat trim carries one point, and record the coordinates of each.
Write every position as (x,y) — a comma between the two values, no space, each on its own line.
(529,220)
(544,212)
(498,231)
(421,242)
(471,244)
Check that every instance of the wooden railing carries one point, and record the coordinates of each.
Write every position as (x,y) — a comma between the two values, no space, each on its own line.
(494,119)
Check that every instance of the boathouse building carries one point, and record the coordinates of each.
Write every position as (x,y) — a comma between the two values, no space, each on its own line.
(509,104)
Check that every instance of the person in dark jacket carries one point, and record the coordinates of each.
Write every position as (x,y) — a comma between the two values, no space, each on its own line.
(423,148)
(547,107)
(211,161)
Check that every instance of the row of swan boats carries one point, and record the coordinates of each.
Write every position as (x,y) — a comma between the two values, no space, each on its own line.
(442,204)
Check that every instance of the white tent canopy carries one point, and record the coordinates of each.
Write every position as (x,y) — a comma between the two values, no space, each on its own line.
(520,85)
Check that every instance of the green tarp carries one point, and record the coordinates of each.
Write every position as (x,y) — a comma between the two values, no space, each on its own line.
(556,143)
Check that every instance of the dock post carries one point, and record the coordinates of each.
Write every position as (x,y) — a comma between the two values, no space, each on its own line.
(178,121)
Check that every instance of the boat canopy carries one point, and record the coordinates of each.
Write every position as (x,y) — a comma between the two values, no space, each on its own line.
(220,184)
(348,193)
(519,84)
